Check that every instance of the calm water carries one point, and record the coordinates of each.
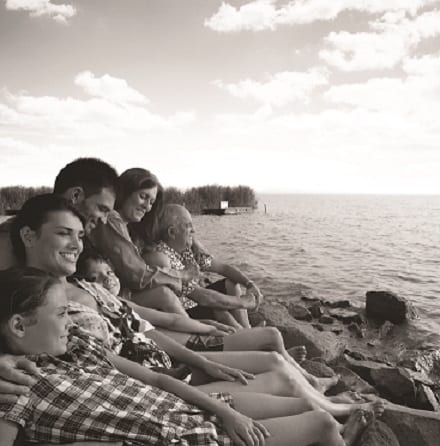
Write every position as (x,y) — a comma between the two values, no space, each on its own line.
(339,247)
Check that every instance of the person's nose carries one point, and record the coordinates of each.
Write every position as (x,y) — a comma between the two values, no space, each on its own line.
(69,323)
(103,217)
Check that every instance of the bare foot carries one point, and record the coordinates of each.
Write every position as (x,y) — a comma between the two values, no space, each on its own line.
(323,384)
(354,426)
(298,353)
(373,409)
(346,397)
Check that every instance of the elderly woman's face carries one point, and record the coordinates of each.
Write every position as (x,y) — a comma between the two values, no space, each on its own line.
(56,246)
(137,204)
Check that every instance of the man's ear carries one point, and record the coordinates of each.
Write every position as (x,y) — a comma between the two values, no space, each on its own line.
(28,236)
(74,195)
(171,232)
(17,326)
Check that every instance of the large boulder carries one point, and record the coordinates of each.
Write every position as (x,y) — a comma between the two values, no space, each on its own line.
(395,384)
(384,305)
(413,427)
(377,433)
(349,380)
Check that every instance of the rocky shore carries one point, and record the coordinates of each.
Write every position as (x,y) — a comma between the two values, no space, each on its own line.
(370,350)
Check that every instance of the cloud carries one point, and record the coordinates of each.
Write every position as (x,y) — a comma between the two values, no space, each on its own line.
(280,89)
(392,38)
(261,15)
(109,88)
(113,110)
(38,8)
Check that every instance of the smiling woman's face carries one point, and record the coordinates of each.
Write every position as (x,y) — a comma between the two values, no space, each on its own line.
(137,204)
(56,245)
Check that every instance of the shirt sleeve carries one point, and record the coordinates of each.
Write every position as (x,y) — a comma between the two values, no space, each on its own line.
(19,412)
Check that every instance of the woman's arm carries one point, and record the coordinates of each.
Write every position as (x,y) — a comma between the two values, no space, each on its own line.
(175,322)
(8,433)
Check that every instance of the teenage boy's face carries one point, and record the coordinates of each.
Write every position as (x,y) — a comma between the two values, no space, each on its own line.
(102,273)
(95,208)
(47,328)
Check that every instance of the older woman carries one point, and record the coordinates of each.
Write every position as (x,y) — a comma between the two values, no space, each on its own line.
(47,234)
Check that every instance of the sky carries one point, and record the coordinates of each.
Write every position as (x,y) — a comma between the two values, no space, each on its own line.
(300,96)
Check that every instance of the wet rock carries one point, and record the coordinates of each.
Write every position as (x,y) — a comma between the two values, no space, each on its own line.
(356,355)
(346,316)
(299,312)
(337,330)
(318,327)
(350,381)
(337,303)
(354,328)
(385,329)
(425,398)
(316,310)
(424,361)
(395,384)
(384,305)
(326,319)
(307,298)
(377,433)
(317,368)
(412,427)
(363,367)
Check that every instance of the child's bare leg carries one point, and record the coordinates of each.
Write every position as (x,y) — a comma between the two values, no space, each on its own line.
(270,339)
(226,317)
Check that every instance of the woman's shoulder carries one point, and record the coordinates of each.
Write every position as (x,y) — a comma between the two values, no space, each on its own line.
(79,295)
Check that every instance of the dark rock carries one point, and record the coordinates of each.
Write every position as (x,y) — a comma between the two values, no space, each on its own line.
(363,367)
(356,355)
(256,318)
(354,328)
(310,298)
(316,310)
(424,361)
(425,398)
(350,381)
(395,384)
(412,427)
(318,327)
(384,305)
(346,316)
(326,319)
(337,303)
(337,330)
(299,312)
(377,433)
(317,368)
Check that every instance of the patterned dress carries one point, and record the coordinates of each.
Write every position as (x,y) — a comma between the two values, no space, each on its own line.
(178,262)
(118,326)
(82,397)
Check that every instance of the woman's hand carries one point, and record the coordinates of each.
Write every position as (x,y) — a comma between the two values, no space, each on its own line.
(13,379)
(225,373)
(243,430)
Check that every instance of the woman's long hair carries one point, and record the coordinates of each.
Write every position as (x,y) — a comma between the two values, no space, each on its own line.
(144,232)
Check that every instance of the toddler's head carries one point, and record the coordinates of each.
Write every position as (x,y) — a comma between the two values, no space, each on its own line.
(93,267)
(33,312)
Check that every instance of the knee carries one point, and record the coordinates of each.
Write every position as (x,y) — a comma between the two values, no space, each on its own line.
(276,361)
(308,405)
(273,338)
(232,288)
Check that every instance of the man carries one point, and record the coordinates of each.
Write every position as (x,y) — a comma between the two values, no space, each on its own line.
(222,300)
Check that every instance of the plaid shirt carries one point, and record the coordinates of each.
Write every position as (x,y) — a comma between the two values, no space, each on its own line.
(81,397)
(178,262)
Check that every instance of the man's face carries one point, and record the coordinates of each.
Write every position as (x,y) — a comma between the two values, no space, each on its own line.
(95,208)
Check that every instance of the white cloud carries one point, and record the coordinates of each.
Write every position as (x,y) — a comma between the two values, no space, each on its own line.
(38,8)
(261,15)
(109,88)
(280,89)
(392,38)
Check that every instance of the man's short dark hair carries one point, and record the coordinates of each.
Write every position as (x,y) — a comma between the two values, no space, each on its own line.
(91,174)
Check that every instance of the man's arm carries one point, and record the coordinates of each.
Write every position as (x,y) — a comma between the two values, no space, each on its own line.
(13,379)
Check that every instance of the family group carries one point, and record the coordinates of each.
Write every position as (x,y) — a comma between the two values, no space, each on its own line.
(109,337)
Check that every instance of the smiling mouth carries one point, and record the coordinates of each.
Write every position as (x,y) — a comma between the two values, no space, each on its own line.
(69,256)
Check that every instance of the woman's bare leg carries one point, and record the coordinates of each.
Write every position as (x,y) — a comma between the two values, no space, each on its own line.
(227,317)
(241,316)
(161,298)
(273,376)
(270,339)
